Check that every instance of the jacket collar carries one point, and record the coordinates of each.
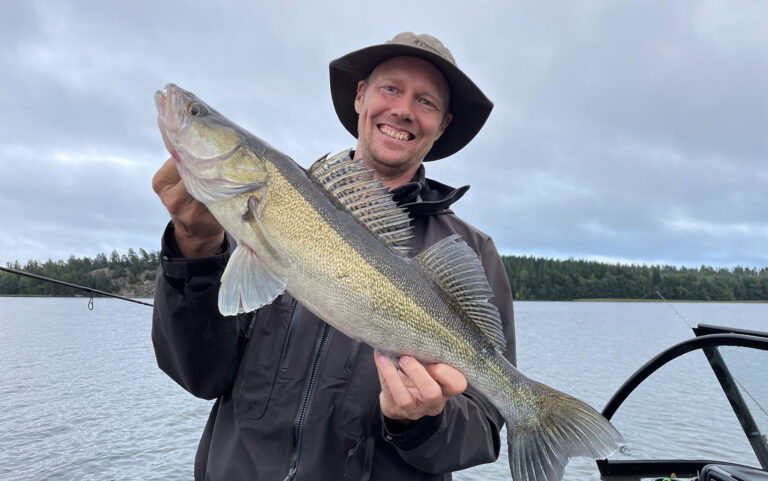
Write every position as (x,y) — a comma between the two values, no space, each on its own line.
(423,196)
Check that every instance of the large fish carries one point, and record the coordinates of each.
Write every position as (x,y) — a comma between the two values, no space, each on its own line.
(332,236)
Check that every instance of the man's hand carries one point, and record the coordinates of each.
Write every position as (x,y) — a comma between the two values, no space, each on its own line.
(421,390)
(197,232)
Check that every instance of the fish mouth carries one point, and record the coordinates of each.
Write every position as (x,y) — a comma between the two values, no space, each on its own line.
(167,102)
(165,118)
(160,98)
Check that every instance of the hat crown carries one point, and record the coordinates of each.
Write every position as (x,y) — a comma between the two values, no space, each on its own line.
(424,42)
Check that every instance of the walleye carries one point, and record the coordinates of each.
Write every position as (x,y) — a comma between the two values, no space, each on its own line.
(333,237)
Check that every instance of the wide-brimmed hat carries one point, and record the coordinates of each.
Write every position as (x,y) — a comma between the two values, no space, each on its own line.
(469,105)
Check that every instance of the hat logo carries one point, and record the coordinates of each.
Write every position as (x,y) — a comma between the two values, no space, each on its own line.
(426,46)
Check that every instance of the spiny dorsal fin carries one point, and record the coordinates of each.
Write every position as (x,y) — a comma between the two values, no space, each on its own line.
(456,268)
(352,184)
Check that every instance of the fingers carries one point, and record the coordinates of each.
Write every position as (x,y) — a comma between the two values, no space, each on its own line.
(450,379)
(196,230)
(168,185)
(419,390)
(167,175)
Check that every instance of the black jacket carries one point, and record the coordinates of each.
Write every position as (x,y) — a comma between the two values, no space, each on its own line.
(295,396)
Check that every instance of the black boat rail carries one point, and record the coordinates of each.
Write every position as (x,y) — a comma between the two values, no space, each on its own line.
(708,339)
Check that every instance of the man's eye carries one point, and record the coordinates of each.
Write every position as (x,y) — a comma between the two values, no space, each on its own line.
(389,88)
(426,102)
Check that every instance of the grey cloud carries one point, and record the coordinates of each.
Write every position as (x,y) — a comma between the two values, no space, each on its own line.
(632,130)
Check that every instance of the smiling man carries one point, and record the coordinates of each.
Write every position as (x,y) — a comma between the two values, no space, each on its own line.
(296,399)
(402,109)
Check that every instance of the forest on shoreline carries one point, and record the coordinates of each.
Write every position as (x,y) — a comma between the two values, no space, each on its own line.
(531,278)
(534,278)
(130,275)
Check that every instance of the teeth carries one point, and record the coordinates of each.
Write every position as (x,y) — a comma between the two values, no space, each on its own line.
(395,135)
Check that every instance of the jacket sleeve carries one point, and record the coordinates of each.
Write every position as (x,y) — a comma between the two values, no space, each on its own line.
(194,344)
(466,433)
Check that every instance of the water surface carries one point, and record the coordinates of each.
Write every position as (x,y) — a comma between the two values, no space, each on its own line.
(83,397)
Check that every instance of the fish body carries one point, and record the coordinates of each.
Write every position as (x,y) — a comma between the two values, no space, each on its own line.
(332,237)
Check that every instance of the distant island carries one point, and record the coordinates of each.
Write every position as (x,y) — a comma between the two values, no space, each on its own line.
(531,278)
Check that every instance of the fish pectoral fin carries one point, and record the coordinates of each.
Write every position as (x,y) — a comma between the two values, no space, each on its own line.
(253,217)
(215,189)
(247,283)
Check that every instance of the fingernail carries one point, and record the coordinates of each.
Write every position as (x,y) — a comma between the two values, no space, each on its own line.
(383,360)
(405,360)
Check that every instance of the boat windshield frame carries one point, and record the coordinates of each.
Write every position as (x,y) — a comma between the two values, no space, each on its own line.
(707,338)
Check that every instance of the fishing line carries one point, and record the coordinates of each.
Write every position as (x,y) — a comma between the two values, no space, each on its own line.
(738,383)
(75,286)
(673,308)
(757,403)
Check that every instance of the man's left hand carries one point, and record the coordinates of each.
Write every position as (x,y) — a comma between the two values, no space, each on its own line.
(419,390)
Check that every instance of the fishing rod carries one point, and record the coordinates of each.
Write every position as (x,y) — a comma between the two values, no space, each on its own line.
(86,289)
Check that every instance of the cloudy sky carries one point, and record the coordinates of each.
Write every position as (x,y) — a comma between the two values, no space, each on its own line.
(625,131)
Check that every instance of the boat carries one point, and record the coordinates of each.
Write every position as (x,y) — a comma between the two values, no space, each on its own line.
(746,392)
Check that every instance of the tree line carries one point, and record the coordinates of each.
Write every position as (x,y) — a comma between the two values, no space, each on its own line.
(558,280)
(531,278)
(97,273)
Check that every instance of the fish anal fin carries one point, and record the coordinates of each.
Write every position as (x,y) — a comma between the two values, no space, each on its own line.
(454,266)
(351,184)
(247,284)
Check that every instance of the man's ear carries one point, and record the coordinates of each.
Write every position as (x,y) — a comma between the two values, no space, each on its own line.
(361,86)
(446,120)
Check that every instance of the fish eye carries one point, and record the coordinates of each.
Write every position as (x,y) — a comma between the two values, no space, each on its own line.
(194,110)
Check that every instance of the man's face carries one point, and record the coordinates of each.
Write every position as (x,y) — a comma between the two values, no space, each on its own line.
(403,110)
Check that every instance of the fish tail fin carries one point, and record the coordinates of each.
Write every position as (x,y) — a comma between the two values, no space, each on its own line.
(565,427)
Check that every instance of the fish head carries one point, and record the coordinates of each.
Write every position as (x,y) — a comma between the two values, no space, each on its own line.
(207,147)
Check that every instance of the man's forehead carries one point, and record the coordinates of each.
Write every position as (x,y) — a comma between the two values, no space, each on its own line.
(413,67)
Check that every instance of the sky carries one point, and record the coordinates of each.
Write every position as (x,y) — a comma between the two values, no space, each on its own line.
(623,131)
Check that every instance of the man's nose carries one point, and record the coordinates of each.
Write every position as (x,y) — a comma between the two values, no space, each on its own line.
(402,107)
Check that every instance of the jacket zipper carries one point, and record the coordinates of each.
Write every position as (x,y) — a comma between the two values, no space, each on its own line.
(318,354)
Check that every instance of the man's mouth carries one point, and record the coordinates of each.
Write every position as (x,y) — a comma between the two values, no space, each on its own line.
(395,133)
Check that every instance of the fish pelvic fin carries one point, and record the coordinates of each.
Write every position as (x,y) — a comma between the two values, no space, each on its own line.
(566,427)
(351,184)
(454,266)
(247,284)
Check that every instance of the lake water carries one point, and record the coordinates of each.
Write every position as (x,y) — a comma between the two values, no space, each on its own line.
(83,399)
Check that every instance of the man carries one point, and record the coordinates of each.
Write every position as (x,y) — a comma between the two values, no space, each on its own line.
(296,399)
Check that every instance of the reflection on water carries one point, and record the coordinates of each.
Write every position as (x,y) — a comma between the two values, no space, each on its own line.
(83,397)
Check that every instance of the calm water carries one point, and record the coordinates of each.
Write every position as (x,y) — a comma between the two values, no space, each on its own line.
(83,397)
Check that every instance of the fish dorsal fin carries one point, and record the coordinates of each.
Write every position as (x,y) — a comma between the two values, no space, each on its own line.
(457,270)
(353,185)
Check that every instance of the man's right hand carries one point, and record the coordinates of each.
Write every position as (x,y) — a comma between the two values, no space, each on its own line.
(197,232)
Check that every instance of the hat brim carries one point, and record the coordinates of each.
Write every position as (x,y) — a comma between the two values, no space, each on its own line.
(469,105)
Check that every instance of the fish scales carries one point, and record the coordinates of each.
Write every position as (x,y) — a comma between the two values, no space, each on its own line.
(296,233)
(339,264)
(335,259)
